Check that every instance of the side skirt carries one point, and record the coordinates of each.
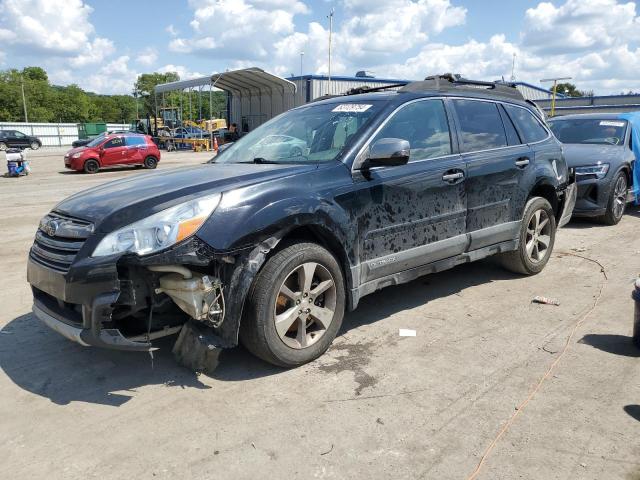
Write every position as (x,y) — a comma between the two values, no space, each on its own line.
(439,266)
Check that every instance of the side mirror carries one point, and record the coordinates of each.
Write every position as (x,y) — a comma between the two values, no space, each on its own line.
(388,152)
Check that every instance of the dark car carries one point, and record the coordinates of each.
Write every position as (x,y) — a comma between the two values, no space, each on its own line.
(16,139)
(599,147)
(272,251)
(113,150)
(81,142)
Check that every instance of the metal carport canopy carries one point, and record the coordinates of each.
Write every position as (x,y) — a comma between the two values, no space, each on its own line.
(254,92)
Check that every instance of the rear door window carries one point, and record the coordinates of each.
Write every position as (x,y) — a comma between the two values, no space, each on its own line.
(424,125)
(509,128)
(131,141)
(481,127)
(530,128)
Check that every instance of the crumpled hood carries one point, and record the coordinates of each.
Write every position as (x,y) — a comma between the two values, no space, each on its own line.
(116,204)
(578,155)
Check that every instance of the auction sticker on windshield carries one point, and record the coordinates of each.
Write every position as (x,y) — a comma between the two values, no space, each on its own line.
(352,107)
(607,123)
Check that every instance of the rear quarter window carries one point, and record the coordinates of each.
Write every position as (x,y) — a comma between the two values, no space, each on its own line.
(480,125)
(529,127)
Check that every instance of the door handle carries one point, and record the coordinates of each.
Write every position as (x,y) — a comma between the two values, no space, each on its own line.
(522,162)
(452,177)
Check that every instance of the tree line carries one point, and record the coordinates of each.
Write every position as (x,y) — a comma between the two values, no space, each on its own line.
(71,104)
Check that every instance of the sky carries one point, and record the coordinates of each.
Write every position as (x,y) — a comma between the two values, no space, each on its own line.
(103,45)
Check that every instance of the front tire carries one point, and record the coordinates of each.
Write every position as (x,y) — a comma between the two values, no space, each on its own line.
(537,237)
(150,162)
(35,145)
(3,146)
(91,166)
(617,200)
(295,306)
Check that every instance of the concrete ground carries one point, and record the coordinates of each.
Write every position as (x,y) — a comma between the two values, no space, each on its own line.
(375,406)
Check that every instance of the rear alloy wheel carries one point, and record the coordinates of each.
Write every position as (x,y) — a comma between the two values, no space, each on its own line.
(617,200)
(35,145)
(91,166)
(295,307)
(150,162)
(537,237)
(3,146)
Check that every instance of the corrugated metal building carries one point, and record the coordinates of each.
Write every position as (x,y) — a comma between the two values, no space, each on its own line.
(253,95)
(310,87)
(600,104)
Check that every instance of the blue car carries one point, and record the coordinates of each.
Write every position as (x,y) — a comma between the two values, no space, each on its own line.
(603,149)
(190,132)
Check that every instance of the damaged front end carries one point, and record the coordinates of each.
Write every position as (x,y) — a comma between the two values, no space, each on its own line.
(127,302)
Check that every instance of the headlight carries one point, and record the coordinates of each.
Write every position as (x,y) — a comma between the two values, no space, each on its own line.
(600,170)
(161,230)
(77,155)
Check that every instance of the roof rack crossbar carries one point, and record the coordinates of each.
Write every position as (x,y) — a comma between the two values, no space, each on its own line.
(451,82)
(365,89)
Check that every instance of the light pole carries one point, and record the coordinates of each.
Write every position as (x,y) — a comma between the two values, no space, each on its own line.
(553,93)
(24,101)
(301,57)
(330,33)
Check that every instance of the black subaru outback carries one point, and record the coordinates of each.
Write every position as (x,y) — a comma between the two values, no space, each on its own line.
(296,222)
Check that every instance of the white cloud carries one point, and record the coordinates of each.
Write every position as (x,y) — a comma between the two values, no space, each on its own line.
(580,26)
(59,27)
(377,28)
(181,70)
(473,59)
(147,57)
(113,77)
(238,29)
(171,30)
(93,53)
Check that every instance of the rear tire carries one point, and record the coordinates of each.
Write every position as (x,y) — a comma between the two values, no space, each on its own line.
(3,146)
(91,166)
(150,162)
(295,306)
(537,237)
(35,145)
(617,200)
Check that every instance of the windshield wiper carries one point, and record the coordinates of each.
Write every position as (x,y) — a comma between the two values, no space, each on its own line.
(261,160)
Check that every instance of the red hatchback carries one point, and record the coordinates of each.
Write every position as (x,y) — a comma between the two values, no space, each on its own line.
(113,150)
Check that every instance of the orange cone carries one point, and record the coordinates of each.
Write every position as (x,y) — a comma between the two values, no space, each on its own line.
(215,144)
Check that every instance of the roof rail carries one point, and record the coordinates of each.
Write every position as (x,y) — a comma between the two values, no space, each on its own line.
(454,82)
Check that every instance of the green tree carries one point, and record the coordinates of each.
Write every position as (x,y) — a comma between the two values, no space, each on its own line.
(569,89)
(144,89)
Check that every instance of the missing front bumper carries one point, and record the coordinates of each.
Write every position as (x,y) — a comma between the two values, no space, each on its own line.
(571,195)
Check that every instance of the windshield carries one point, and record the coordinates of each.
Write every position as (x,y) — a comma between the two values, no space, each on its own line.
(310,134)
(589,131)
(96,141)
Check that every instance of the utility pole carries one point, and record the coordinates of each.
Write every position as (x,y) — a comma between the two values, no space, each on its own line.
(513,68)
(330,33)
(301,57)
(24,101)
(553,92)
